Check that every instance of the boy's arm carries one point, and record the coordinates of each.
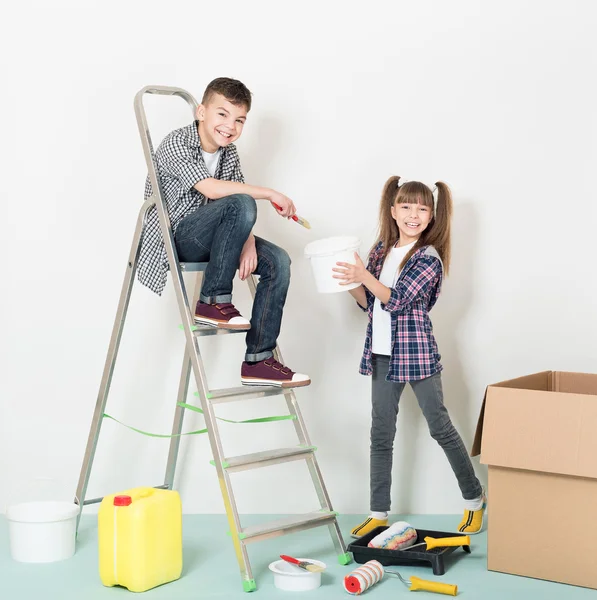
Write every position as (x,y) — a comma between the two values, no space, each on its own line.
(216,188)
(174,157)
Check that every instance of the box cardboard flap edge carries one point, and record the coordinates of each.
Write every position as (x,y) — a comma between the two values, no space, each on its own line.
(541,422)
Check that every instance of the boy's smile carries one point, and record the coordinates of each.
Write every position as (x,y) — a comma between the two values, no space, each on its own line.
(412,220)
(220,122)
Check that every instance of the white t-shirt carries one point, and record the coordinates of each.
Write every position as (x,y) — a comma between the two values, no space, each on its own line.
(382,319)
(211,160)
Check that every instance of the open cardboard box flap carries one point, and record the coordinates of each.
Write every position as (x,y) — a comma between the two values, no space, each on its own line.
(522,427)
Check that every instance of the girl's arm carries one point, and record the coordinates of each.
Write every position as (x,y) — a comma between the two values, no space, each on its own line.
(359,295)
(379,290)
(358,273)
(416,282)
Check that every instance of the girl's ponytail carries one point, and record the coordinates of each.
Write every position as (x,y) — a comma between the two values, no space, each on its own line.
(388,230)
(439,232)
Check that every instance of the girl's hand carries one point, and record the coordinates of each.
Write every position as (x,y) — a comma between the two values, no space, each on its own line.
(248,259)
(356,273)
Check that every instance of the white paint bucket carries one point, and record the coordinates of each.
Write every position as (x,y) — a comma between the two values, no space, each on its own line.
(42,532)
(291,578)
(324,254)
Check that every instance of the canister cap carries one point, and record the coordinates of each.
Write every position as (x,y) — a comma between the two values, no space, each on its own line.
(122,500)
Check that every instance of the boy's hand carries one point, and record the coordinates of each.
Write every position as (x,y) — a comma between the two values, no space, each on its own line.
(287,205)
(356,273)
(248,258)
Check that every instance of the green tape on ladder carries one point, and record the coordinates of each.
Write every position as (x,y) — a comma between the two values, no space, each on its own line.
(193,327)
(225,465)
(259,420)
(156,435)
(200,431)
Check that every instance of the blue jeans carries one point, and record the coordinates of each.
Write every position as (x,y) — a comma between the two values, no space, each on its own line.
(216,233)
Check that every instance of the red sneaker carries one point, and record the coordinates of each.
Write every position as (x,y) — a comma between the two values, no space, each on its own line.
(224,316)
(271,372)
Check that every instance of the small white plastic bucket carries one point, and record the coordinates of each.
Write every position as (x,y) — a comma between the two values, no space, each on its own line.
(324,254)
(42,532)
(291,578)
(42,522)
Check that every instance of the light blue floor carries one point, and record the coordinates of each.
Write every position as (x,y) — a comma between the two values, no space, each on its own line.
(210,569)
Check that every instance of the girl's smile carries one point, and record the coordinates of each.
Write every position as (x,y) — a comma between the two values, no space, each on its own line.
(412,220)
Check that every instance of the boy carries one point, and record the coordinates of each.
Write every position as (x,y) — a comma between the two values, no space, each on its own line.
(212,212)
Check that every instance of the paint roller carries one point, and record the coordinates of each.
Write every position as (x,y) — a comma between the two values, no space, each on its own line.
(461,540)
(402,536)
(372,572)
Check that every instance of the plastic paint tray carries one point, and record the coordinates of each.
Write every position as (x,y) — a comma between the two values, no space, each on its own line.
(415,557)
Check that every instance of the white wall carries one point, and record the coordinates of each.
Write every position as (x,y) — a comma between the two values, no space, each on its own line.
(497,99)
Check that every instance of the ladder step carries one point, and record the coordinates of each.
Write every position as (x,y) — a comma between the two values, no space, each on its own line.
(267,458)
(287,525)
(98,500)
(245,392)
(203,330)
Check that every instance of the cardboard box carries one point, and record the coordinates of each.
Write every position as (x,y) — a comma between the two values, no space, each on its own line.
(538,436)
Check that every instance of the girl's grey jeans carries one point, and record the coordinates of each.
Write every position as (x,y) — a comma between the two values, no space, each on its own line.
(385,400)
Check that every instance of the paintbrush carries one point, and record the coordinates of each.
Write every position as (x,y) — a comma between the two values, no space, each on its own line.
(296,218)
(303,564)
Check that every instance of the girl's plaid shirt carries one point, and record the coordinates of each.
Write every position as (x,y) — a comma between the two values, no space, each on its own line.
(414,349)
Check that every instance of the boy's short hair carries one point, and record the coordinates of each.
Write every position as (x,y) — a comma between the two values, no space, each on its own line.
(233,90)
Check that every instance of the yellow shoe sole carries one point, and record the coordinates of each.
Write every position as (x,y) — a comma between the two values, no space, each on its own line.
(367,526)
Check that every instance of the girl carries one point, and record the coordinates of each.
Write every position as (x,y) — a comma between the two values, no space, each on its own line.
(399,287)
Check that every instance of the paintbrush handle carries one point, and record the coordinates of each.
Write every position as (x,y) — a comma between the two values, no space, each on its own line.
(294,217)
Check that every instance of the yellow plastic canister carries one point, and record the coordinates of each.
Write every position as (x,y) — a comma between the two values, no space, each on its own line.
(140,538)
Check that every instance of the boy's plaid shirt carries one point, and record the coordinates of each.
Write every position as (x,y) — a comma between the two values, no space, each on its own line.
(414,349)
(180,166)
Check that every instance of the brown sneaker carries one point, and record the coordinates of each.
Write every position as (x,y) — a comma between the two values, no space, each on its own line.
(271,372)
(224,316)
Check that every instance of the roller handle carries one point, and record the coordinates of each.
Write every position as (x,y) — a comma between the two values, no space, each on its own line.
(432,586)
(461,540)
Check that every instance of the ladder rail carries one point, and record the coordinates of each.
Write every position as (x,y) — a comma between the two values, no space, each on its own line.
(183,390)
(114,345)
(188,321)
(127,286)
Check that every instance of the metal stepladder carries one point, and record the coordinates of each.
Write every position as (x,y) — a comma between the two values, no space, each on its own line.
(241,536)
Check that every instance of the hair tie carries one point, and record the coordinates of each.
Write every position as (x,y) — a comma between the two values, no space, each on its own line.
(434,194)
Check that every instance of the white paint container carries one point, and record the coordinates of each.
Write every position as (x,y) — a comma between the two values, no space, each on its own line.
(42,532)
(324,254)
(291,578)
